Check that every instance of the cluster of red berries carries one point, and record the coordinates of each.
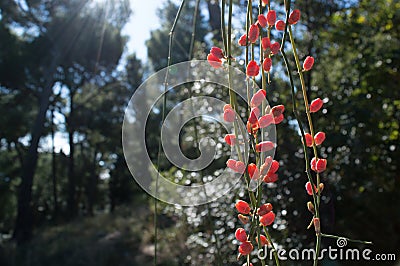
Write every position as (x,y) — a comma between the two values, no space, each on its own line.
(265,217)
(267,170)
(216,55)
(269,48)
(272,115)
(317,165)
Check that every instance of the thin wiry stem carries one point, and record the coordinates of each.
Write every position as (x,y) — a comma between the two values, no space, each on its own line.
(196,135)
(264,87)
(295,112)
(223,30)
(310,123)
(171,37)
(191,47)
(294,103)
(273,246)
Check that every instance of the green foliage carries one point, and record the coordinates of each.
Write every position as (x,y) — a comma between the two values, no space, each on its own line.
(157,49)
(121,238)
(359,76)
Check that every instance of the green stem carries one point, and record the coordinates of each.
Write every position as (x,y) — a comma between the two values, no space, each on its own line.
(191,47)
(223,30)
(294,103)
(169,60)
(300,124)
(304,91)
(273,246)
(196,138)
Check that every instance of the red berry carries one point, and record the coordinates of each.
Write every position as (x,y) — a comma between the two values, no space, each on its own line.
(264,240)
(229,115)
(266,120)
(252,69)
(258,98)
(275,47)
(253,119)
(267,219)
(230,139)
(245,264)
(268,160)
(253,33)
(316,105)
(317,226)
(280,25)
(267,64)
(214,61)
(319,138)
(217,52)
(264,209)
(236,166)
(231,164)
(274,167)
(270,178)
(227,106)
(242,40)
(294,17)
(318,165)
(308,63)
(245,248)
(241,235)
(264,146)
(265,43)
(264,169)
(262,20)
(278,119)
(256,111)
(309,189)
(309,139)
(240,167)
(321,165)
(313,164)
(278,110)
(271,17)
(242,207)
(265,2)
(253,171)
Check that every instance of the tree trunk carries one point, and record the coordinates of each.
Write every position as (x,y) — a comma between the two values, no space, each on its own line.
(214,12)
(71,199)
(24,221)
(92,186)
(53,168)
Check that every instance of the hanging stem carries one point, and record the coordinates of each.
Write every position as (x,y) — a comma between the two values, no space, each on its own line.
(273,246)
(171,36)
(196,135)
(310,123)
(191,47)
(223,29)
(294,103)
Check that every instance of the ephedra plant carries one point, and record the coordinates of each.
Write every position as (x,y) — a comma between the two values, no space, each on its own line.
(257,215)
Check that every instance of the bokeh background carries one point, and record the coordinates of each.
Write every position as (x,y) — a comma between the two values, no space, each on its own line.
(67,71)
